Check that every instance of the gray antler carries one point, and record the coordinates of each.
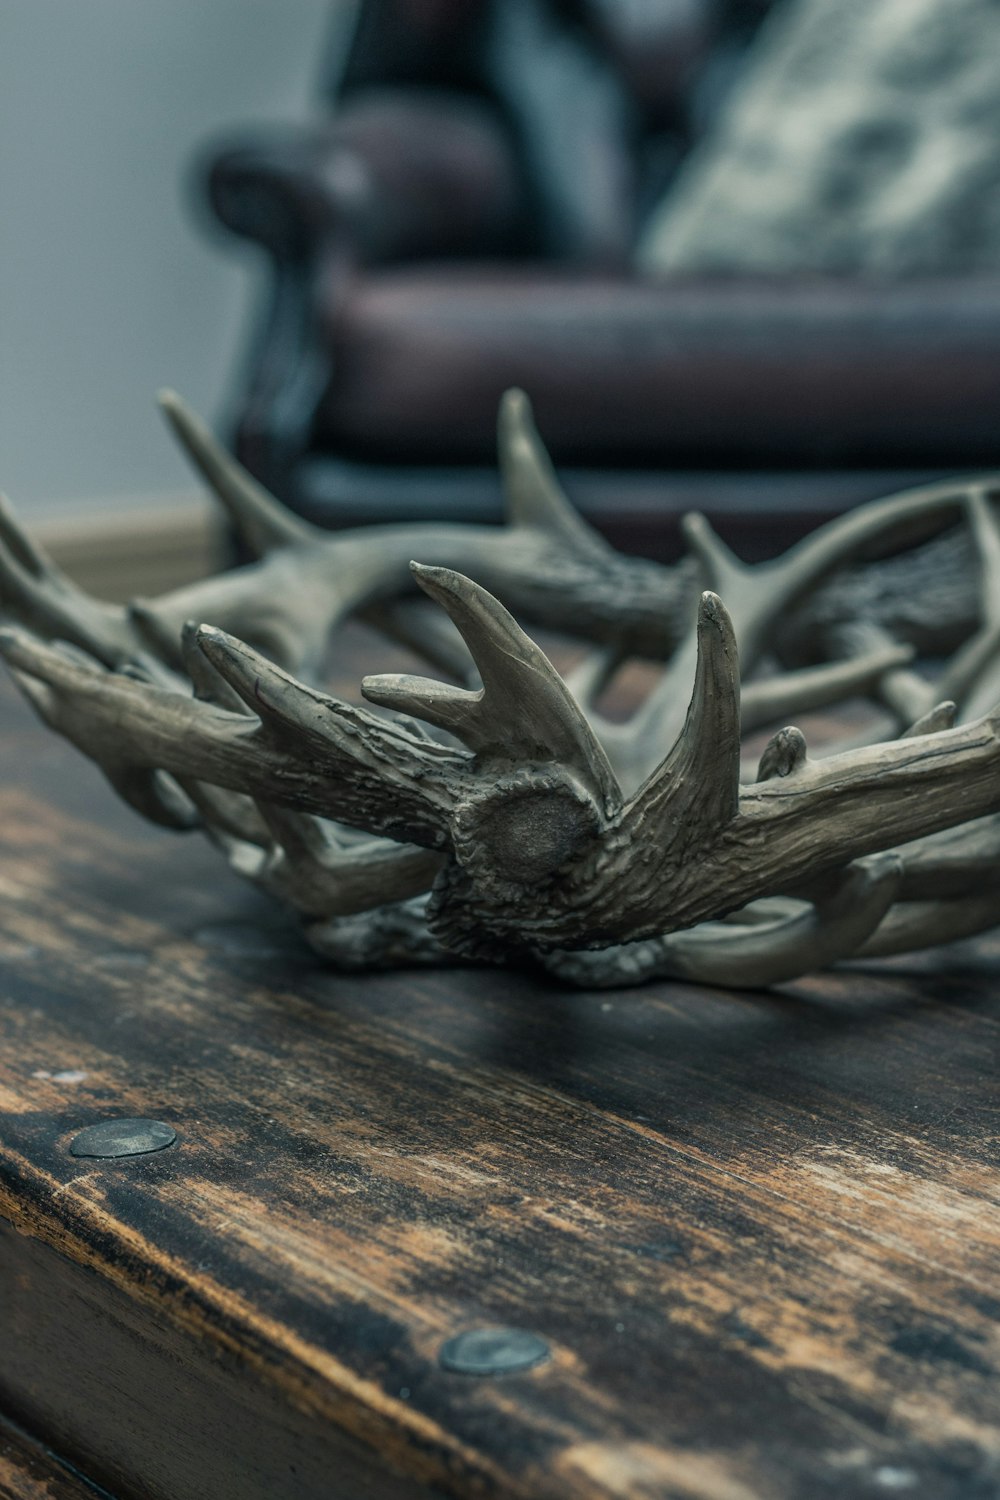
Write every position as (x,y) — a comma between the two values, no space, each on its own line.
(504,828)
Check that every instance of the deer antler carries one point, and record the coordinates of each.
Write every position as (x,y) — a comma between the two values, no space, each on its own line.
(306,581)
(38,594)
(751,955)
(543,853)
(504,827)
(763,599)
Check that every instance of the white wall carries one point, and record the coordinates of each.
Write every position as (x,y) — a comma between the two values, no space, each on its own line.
(108,289)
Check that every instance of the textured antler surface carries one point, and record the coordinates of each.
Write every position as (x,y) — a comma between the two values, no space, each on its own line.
(500,814)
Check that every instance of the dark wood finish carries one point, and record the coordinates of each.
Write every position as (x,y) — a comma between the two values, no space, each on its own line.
(30,1472)
(760,1232)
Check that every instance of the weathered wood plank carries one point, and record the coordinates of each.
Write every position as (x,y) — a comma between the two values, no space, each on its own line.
(29,1472)
(760,1232)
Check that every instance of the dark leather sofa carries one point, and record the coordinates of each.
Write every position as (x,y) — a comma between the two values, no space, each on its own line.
(465,220)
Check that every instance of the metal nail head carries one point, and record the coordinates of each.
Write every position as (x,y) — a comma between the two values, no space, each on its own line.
(129,1137)
(493,1351)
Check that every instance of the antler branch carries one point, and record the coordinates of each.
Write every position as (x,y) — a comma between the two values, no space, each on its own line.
(301,748)
(509,811)
(753,955)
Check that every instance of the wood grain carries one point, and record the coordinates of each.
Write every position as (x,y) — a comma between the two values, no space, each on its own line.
(759,1232)
(30,1472)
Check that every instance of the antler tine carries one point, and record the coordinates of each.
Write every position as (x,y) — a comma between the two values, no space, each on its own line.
(321,877)
(942,716)
(635,748)
(524,708)
(756,955)
(785,753)
(260,521)
(760,598)
(208,685)
(534,496)
(926,924)
(763,595)
(36,593)
(721,570)
(372,774)
(308,750)
(278,699)
(972,678)
(809,688)
(957,862)
(19,546)
(699,778)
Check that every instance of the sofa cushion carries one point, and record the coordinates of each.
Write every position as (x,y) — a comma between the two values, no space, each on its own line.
(718,373)
(858,137)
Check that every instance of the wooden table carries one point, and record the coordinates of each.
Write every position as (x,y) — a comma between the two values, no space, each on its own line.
(758,1233)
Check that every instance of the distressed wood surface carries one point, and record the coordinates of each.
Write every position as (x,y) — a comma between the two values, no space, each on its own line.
(30,1472)
(759,1232)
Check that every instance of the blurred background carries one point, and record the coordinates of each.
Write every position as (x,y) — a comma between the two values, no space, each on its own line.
(743,255)
(108,288)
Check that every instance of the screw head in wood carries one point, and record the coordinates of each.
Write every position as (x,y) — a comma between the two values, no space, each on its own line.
(127,1137)
(492,1351)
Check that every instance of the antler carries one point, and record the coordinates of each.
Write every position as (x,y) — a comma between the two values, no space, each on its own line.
(38,594)
(544,854)
(306,581)
(763,600)
(546,563)
(752,954)
(693,844)
(509,811)
(300,748)
(523,712)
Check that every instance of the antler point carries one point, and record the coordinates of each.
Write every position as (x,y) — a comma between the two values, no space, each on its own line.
(785,753)
(514,402)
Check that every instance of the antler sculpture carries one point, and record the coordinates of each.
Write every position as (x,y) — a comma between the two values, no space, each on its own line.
(499,816)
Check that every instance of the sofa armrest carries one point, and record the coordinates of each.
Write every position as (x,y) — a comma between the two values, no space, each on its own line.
(398,175)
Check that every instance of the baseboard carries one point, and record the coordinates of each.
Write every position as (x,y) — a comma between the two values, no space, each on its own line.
(134,549)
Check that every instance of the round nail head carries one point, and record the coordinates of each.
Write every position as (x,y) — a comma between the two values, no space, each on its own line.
(129,1137)
(493,1351)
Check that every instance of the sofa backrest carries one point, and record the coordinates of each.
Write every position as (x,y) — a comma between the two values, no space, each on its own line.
(604,97)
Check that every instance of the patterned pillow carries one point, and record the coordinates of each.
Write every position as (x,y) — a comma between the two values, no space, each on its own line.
(863,135)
